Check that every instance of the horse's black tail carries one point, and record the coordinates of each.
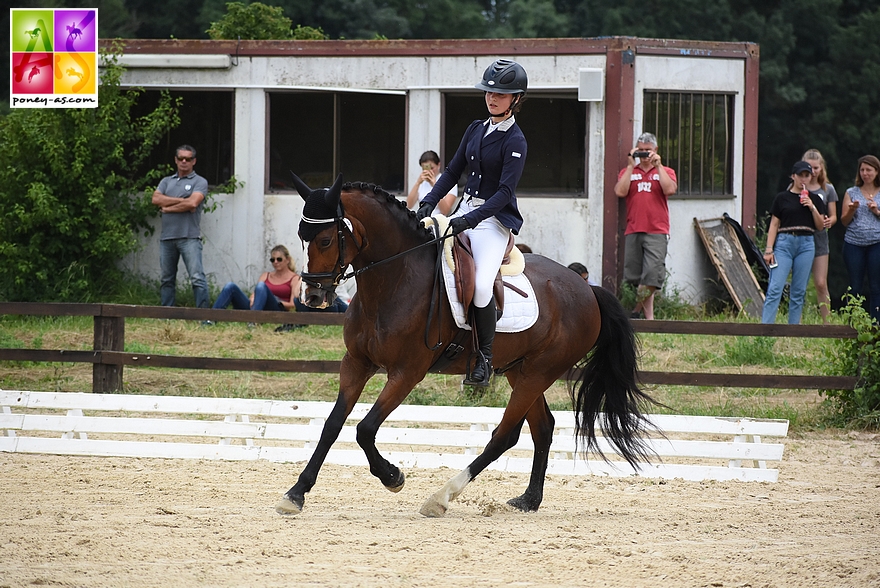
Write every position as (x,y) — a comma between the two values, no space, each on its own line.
(608,386)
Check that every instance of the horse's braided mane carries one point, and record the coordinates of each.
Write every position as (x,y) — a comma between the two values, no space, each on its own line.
(391,200)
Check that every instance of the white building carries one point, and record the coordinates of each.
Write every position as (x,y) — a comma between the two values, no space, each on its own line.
(368,109)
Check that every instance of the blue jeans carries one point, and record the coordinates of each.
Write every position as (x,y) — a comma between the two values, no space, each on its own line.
(337,306)
(170,252)
(263,298)
(859,261)
(794,255)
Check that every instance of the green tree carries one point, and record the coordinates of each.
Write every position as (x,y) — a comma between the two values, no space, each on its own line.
(251,21)
(531,18)
(69,204)
(361,19)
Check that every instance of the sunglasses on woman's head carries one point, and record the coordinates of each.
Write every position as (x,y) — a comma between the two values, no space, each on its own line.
(276,259)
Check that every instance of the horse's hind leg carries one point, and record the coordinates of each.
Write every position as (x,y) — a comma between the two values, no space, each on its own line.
(353,377)
(541,425)
(503,438)
(526,400)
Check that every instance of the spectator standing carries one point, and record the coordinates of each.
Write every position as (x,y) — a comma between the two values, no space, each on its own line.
(796,215)
(820,185)
(180,198)
(646,187)
(430,163)
(860,214)
(493,152)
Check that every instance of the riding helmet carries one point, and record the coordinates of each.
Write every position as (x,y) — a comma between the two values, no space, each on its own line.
(504,77)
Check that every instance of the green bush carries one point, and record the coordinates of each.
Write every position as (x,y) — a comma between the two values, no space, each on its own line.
(301,33)
(858,357)
(668,303)
(69,186)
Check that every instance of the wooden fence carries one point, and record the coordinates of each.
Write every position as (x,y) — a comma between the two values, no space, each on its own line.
(108,356)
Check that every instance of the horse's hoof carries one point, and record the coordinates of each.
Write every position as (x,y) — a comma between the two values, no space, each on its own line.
(397,485)
(432,509)
(523,504)
(286,506)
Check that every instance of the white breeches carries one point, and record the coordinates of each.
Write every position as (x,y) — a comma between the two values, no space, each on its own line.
(488,241)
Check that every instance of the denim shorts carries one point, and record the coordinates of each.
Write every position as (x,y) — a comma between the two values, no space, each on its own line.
(821,240)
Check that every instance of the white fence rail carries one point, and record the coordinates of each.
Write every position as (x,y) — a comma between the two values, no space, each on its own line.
(694,448)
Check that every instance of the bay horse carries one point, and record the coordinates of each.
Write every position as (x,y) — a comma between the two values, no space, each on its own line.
(389,319)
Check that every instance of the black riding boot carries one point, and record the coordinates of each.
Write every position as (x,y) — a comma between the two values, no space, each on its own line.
(484,323)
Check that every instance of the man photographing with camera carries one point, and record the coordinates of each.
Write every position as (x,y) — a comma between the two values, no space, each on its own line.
(646,187)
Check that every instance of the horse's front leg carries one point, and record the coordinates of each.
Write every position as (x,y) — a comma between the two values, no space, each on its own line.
(353,376)
(397,388)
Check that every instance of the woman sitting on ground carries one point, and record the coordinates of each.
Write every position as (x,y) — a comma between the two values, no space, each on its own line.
(275,290)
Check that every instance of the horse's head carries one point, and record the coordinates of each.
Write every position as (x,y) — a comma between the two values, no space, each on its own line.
(331,238)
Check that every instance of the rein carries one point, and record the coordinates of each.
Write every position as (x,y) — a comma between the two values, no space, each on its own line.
(356,273)
(436,294)
(313,279)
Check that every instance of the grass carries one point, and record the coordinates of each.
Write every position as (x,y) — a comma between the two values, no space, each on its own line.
(660,352)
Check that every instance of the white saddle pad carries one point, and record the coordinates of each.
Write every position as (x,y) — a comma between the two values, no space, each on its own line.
(520,312)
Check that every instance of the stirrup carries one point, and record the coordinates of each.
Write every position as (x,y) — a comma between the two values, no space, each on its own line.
(487,366)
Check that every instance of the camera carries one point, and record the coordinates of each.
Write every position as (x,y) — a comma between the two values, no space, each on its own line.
(642,154)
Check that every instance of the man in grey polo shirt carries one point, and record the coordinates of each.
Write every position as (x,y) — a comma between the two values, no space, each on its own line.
(180,199)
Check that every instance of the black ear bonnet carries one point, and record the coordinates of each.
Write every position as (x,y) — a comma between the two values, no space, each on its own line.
(322,208)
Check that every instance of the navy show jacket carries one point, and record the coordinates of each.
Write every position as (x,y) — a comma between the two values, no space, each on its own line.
(494,164)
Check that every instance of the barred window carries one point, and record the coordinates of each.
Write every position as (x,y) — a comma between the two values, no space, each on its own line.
(695,138)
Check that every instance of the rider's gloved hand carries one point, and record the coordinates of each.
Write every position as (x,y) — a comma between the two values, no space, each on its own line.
(458,224)
(425,211)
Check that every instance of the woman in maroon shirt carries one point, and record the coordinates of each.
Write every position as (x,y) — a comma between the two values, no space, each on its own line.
(276,290)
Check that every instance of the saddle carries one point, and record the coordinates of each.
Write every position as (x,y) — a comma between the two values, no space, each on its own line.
(465,272)
(460,259)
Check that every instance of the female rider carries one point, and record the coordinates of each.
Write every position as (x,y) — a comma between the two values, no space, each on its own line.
(493,152)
